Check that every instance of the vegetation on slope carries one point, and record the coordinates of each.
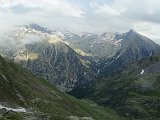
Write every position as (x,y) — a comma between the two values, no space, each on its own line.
(132,93)
(19,88)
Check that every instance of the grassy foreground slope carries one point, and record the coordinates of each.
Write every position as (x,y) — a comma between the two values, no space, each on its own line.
(38,99)
(134,92)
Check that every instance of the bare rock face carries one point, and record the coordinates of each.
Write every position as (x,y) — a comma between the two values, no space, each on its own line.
(70,60)
(57,63)
(98,45)
(133,47)
(46,55)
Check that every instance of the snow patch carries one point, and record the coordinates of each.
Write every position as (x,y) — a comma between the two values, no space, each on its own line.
(142,72)
(20,109)
(98,71)
(79,118)
(4,77)
(151,54)
(118,56)
(67,43)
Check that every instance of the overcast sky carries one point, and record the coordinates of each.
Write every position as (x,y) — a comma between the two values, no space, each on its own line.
(84,15)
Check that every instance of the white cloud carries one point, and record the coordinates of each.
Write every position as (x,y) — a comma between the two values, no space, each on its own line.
(63,7)
(106,9)
(150,30)
(122,15)
(50,13)
(84,15)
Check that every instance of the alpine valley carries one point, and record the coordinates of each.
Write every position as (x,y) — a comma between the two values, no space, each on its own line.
(60,75)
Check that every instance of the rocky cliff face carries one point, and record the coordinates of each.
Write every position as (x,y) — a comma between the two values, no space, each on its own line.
(98,45)
(49,57)
(66,58)
(57,63)
(133,47)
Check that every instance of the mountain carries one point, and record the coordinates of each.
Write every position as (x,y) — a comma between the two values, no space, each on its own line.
(101,67)
(35,27)
(97,45)
(73,61)
(50,57)
(109,50)
(56,62)
(26,97)
(133,47)
(112,51)
(134,92)
(92,44)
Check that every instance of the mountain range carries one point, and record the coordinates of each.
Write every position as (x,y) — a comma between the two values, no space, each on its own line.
(115,70)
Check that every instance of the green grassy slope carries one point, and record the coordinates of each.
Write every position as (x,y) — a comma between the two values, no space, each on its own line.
(131,93)
(19,88)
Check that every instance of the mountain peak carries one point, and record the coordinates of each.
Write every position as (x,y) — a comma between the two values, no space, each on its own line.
(37,27)
(132,31)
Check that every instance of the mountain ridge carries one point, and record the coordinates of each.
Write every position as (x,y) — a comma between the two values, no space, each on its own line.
(95,54)
(25,97)
(134,47)
(133,92)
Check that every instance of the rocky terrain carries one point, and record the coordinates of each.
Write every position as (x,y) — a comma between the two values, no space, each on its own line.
(49,57)
(133,48)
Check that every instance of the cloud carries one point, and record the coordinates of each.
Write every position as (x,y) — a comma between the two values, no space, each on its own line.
(122,15)
(106,9)
(62,7)
(49,13)
(22,9)
(151,30)
(84,15)
(137,10)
